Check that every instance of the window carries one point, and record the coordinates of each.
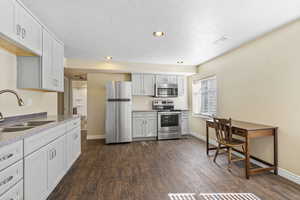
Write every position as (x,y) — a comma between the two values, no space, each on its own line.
(205,96)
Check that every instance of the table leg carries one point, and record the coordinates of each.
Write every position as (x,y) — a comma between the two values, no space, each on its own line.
(275,152)
(207,140)
(247,156)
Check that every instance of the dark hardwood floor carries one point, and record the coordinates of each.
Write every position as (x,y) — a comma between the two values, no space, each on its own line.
(151,170)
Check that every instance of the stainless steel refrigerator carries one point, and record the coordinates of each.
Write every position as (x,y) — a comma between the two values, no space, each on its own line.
(118,124)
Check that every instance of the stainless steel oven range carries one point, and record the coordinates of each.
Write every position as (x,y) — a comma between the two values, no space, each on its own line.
(169,120)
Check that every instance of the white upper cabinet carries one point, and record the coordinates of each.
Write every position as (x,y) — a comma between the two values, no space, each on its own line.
(181,85)
(149,84)
(30,32)
(143,84)
(7,19)
(47,69)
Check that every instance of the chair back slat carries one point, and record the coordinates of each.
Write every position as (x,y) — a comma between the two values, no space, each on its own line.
(223,129)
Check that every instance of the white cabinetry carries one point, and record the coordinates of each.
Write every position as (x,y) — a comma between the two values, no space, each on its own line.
(143,84)
(49,155)
(28,30)
(181,85)
(52,63)
(46,72)
(7,19)
(144,124)
(185,127)
(35,175)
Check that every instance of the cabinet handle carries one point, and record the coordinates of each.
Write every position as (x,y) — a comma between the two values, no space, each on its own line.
(18,29)
(23,33)
(6,157)
(75,136)
(6,180)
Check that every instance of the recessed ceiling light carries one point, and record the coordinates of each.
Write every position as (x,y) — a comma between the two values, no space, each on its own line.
(179,62)
(108,57)
(158,34)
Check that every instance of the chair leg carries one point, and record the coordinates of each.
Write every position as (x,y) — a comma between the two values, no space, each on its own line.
(217,152)
(229,159)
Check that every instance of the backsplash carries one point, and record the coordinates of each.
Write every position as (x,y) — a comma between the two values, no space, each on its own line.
(145,102)
(35,101)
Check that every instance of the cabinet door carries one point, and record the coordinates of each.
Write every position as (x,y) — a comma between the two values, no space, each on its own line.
(172,79)
(138,127)
(137,84)
(48,71)
(162,79)
(55,163)
(35,175)
(149,84)
(76,148)
(7,18)
(31,30)
(181,85)
(185,126)
(58,65)
(151,127)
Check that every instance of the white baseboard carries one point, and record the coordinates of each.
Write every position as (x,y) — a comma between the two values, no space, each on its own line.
(95,137)
(281,172)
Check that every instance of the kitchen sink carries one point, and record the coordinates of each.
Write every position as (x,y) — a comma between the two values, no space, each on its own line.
(32,123)
(15,129)
(24,126)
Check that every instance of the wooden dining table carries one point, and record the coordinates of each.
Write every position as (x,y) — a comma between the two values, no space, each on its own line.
(250,131)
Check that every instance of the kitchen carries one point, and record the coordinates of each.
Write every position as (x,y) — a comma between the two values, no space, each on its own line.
(196,105)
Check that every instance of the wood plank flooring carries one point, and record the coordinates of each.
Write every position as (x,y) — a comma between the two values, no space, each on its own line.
(150,170)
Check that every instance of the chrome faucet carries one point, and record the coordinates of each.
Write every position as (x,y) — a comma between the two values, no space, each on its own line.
(20,100)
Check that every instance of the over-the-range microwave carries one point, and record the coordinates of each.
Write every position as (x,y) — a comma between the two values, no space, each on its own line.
(166,90)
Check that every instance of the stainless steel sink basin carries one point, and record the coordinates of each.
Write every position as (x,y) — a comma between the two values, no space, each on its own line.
(15,129)
(32,123)
(38,123)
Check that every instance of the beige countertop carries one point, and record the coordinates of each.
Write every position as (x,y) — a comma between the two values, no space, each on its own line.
(7,138)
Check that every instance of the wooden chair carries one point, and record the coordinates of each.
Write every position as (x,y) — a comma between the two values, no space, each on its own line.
(224,138)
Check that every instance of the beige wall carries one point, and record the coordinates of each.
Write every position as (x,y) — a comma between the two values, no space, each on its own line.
(96,100)
(34,101)
(260,82)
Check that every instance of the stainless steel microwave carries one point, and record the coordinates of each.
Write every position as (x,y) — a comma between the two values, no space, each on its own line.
(166,90)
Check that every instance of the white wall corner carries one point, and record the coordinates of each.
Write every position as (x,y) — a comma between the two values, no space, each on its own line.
(95,137)
(281,172)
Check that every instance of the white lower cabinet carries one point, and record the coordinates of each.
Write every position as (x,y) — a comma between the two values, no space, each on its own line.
(55,163)
(144,124)
(73,146)
(185,127)
(15,193)
(35,175)
(45,167)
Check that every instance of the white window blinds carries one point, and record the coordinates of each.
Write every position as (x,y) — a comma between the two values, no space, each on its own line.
(205,96)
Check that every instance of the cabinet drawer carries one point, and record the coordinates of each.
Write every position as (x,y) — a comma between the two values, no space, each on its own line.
(11,176)
(15,193)
(11,154)
(185,114)
(37,141)
(144,114)
(73,124)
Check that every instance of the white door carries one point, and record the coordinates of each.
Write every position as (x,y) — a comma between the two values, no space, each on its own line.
(48,71)
(7,19)
(137,84)
(31,32)
(151,127)
(58,65)
(138,127)
(35,175)
(55,162)
(149,84)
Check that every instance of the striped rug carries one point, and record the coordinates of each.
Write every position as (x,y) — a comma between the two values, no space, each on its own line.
(228,196)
